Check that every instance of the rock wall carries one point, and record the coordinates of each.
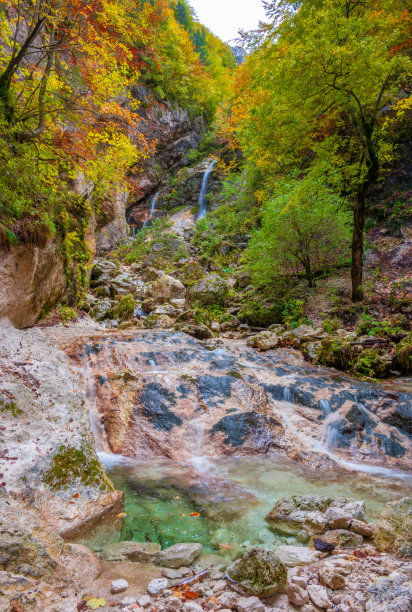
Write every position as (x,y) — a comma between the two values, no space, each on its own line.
(31,278)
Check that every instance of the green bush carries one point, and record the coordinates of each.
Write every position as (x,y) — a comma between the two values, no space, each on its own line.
(293,314)
(404,354)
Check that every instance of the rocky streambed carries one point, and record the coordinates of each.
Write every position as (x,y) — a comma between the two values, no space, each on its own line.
(202,438)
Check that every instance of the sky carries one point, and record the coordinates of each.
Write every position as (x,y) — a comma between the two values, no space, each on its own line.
(226,17)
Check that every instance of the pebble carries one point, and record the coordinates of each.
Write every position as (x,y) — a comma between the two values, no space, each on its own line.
(191,606)
(118,586)
(173,604)
(219,586)
(250,604)
(126,602)
(157,585)
(318,595)
(331,578)
(228,600)
(297,595)
(144,601)
(300,581)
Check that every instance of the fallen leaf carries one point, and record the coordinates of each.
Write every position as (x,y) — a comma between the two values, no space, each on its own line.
(95,603)
(226,546)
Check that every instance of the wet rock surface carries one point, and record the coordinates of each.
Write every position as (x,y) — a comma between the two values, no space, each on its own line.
(245,402)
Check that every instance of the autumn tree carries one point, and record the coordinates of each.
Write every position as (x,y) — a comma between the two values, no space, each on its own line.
(319,85)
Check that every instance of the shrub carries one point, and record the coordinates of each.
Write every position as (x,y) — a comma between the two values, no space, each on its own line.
(404,354)
(293,314)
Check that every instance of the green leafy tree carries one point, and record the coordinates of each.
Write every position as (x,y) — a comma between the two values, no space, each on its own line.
(305,229)
(319,85)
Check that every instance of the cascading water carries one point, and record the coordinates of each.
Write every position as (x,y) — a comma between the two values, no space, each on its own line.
(152,208)
(203,192)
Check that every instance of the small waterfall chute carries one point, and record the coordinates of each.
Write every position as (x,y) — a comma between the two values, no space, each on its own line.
(152,208)
(203,191)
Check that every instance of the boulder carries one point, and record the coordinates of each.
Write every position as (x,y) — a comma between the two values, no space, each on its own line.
(393,532)
(101,309)
(265,340)
(259,572)
(149,275)
(201,332)
(142,552)
(103,267)
(180,554)
(338,518)
(390,594)
(164,289)
(312,513)
(125,283)
(361,527)
(303,334)
(292,556)
(211,289)
(341,538)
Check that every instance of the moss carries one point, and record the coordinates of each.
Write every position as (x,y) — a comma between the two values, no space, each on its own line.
(124,309)
(370,363)
(260,315)
(336,352)
(9,406)
(235,374)
(73,465)
(404,354)
(150,321)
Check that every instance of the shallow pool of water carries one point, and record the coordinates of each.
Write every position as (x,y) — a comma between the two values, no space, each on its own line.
(222,503)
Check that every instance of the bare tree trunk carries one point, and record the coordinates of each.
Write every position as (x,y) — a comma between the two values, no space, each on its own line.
(359,214)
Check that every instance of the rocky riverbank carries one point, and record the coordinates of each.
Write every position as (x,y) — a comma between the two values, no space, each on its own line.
(53,484)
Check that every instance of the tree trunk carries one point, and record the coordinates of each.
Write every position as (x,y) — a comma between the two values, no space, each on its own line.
(359,214)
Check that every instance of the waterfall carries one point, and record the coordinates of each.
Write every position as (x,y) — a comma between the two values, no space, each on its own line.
(202,196)
(152,208)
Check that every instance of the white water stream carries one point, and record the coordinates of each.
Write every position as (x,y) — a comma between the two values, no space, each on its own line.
(203,192)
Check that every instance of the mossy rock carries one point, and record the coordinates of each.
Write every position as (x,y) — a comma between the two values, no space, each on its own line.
(393,531)
(259,572)
(337,352)
(124,309)
(403,355)
(371,363)
(71,466)
(260,315)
